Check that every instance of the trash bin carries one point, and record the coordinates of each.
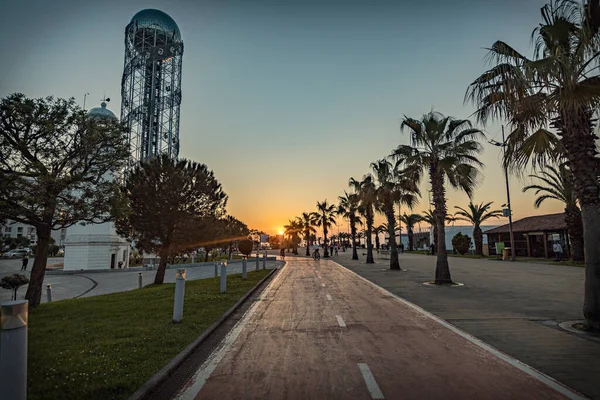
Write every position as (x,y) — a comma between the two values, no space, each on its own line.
(506,253)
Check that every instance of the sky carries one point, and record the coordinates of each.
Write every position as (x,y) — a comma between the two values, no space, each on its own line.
(285,100)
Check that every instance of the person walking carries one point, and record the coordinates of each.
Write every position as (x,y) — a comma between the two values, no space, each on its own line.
(336,249)
(432,249)
(558,251)
(282,253)
(25,261)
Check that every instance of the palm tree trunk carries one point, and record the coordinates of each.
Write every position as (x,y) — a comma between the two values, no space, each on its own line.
(591,305)
(478,237)
(306,237)
(411,240)
(160,272)
(442,269)
(326,252)
(353,234)
(369,239)
(376,240)
(394,263)
(575,230)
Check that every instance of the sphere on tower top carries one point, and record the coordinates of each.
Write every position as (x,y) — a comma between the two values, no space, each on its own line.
(101,112)
(151,18)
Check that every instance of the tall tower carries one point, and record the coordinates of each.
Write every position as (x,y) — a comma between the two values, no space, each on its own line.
(151,85)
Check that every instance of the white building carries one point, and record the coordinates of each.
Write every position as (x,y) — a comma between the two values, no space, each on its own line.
(13,229)
(451,231)
(95,246)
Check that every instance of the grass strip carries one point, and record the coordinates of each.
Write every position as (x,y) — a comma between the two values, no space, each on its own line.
(106,347)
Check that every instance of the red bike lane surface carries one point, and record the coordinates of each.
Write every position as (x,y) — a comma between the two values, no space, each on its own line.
(321,332)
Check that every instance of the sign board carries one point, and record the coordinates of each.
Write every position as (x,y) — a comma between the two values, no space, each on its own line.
(499,248)
(505,212)
(264,238)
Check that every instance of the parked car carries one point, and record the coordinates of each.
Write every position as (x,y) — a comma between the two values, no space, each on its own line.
(15,254)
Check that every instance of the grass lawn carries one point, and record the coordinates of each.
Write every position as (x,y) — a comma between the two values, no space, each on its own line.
(106,347)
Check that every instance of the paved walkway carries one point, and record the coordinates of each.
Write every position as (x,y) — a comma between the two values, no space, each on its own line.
(322,332)
(515,307)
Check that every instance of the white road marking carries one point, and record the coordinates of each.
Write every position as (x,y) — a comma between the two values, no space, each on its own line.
(534,373)
(372,385)
(207,368)
(322,284)
(329,297)
(340,321)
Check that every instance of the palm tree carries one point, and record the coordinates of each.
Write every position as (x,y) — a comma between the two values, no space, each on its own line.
(348,208)
(307,223)
(559,87)
(410,220)
(326,213)
(367,195)
(428,217)
(393,186)
(377,230)
(477,215)
(447,148)
(560,186)
(293,229)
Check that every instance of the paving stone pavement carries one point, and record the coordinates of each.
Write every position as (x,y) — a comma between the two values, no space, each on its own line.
(514,307)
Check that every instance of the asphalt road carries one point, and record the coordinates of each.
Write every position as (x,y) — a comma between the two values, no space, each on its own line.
(320,331)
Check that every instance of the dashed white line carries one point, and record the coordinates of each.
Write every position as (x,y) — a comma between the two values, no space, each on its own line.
(340,321)
(372,385)
(328,297)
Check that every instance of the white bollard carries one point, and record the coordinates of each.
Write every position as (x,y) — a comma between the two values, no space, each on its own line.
(223,277)
(140,285)
(179,294)
(13,349)
(244,269)
(49,293)
(265,260)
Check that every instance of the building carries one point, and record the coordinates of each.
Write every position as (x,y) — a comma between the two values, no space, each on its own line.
(96,246)
(13,229)
(534,236)
(451,231)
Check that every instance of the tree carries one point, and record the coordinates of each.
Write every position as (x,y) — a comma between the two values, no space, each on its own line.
(233,230)
(558,88)
(367,196)
(410,220)
(56,169)
(447,148)
(326,213)
(348,209)
(560,186)
(307,222)
(293,230)
(172,206)
(462,243)
(477,215)
(377,230)
(13,282)
(393,186)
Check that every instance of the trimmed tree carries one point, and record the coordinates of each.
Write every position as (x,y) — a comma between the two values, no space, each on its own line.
(56,169)
(172,206)
(462,243)
(13,282)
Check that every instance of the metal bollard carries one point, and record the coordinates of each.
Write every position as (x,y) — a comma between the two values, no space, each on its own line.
(140,285)
(49,292)
(13,349)
(223,277)
(244,269)
(216,269)
(265,260)
(179,294)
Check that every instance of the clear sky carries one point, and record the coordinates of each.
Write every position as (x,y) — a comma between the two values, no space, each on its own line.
(284,100)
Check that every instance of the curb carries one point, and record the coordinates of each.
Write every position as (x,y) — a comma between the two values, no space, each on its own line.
(157,379)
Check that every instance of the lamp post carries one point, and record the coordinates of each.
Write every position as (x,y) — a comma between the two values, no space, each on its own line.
(510,224)
(84,97)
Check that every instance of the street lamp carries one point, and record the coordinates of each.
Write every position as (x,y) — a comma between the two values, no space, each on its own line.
(510,224)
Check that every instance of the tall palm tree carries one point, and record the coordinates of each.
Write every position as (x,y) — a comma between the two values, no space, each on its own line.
(377,230)
(326,213)
(410,220)
(429,217)
(447,148)
(348,208)
(307,223)
(393,186)
(367,195)
(560,186)
(559,88)
(477,215)
(292,230)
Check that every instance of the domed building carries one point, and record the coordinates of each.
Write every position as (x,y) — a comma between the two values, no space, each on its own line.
(96,246)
